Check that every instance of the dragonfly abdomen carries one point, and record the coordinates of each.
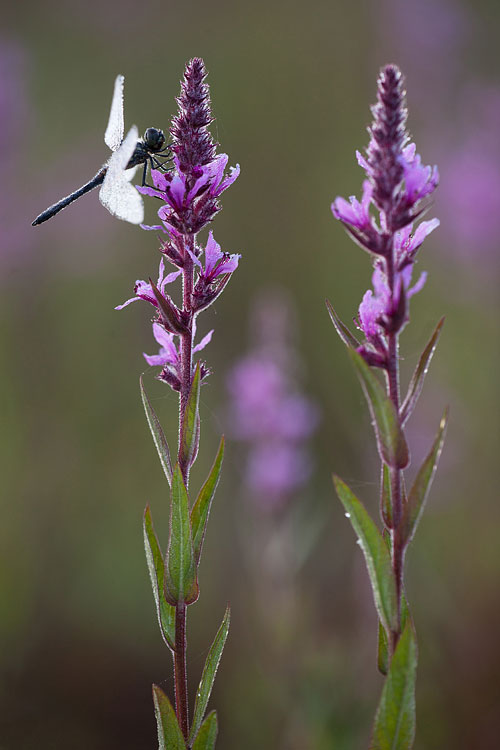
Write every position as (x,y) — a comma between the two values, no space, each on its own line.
(56,207)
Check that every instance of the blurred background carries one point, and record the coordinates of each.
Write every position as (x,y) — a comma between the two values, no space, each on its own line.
(291,86)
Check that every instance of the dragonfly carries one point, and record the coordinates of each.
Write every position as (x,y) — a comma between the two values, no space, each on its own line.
(116,193)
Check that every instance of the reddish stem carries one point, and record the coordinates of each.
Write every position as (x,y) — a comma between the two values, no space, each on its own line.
(395,473)
(186,353)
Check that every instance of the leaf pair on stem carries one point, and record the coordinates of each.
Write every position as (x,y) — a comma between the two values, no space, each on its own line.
(174,577)
(394,725)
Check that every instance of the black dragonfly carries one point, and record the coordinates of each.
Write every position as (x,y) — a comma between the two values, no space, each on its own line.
(117,194)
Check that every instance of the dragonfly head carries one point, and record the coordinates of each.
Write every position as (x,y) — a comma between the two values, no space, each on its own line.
(154,139)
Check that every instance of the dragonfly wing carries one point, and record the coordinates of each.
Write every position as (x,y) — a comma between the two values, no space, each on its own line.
(117,194)
(114,132)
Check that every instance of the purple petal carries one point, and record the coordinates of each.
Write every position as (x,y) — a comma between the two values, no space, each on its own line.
(234,173)
(199,183)
(145,190)
(362,161)
(419,285)
(205,340)
(217,167)
(212,253)
(422,231)
(370,310)
(169,278)
(150,228)
(230,264)
(166,341)
(195,259)
(160,180)
(155,360)
(175,192)
(125,304)
(355,213)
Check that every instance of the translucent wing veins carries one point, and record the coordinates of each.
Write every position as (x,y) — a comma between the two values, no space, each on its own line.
(117,194)
(115,129)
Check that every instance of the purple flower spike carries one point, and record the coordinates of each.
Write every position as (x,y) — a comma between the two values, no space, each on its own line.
(193,143)
(190,192)
(397,183)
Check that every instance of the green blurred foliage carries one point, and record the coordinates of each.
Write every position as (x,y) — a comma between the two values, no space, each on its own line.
(291,85)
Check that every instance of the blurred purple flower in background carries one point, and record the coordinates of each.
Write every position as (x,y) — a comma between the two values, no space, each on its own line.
(268,412)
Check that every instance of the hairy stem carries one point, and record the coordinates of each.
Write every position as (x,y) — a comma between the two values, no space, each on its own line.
(395,473)
(180,672)
(186,352)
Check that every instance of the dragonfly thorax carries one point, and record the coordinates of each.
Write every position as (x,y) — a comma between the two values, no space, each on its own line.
(154,139)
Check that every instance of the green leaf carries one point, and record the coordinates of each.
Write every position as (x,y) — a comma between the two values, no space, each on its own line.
(390,438)
(383,650)
(378,560)
(394,726)
(385,498)
(189,424)
(159,438)
(165,612)
(417,380)
(169,733)
(208,676)
(201,508)
(383,658)
(180,569)
(415,504)
(205,739)
(341,328)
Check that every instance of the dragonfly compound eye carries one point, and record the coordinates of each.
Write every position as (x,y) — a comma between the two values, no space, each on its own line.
(154,139)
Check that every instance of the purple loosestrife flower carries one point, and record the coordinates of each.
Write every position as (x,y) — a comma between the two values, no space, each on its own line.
(269,413)
(190,194)
(144,289)
(397,184)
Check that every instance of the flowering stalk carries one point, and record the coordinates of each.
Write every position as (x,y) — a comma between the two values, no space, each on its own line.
(190,199)
(383,224)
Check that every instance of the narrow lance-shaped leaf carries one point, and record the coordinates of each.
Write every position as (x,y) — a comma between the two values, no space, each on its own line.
(201,508)
(382,650)
(341,328)
(208,675)
(390,438)
(377,557)
(169,733)
(180,569)
(189,422)
(394,726)
(165,612)
(159,438)
(383,657)
(415,504)
(417,381)
(205,739)
(385,496)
